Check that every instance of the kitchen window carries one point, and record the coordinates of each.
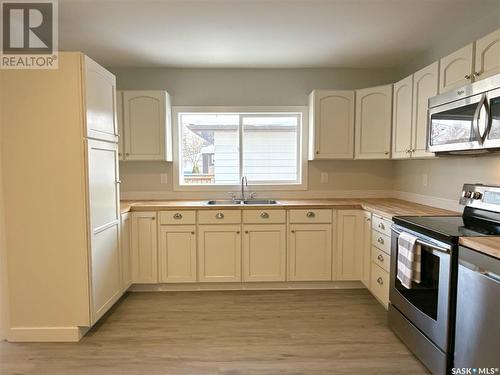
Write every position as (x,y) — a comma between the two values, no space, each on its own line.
(216,148)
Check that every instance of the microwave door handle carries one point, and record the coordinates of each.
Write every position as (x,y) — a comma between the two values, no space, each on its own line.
(483,102)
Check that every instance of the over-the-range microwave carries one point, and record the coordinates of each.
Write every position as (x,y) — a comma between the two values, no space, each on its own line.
(466,119)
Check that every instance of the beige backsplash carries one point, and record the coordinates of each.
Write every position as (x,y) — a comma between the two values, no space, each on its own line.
(344,178)
(445,175)
(356,178)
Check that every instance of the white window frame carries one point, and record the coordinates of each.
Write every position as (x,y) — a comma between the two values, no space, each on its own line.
(303,144)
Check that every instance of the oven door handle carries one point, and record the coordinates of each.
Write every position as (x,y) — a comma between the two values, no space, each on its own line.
(428,244)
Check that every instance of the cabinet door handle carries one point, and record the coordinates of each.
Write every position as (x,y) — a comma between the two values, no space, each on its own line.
(246,232)
(380,257)
(467,76)
(292,231)
(380,240)
(381,226)
(476,74)
(192,232)
(219,215)
(264,215)
(310,214)
(177,216)
(380,281)
(238,232)
(153,218)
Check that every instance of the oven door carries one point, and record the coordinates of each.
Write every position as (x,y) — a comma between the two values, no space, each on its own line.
(426,304)
(460,125)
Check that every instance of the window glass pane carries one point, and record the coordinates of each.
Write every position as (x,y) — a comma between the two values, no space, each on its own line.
(270,148)
(210,148)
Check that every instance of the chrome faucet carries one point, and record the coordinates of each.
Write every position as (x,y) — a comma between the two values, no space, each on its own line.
(244,183)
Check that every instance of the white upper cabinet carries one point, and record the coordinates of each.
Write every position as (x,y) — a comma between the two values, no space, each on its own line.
(100,91)
(487,56)
(331,124)
(456,69)
(147,125)
(373,123)
(425,86)
(402,118)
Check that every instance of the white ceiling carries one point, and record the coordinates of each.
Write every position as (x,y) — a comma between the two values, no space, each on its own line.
(261,33)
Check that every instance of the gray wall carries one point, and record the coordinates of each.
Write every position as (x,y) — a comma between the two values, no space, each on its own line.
(255,87)
(447,175)
(246,87)
(447,43)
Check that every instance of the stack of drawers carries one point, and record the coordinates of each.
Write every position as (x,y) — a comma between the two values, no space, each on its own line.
(380,258)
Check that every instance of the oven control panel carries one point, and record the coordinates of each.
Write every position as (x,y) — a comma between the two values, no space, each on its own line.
(486,197)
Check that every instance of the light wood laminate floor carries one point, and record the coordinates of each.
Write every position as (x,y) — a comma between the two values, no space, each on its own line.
(230,333)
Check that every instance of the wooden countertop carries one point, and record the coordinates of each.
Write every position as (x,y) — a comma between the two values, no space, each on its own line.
(386,207)
(486,245)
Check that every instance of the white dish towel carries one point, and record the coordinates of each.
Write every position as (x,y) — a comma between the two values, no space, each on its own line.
(409,260)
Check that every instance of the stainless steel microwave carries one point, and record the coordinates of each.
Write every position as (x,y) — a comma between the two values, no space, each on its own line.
(466,119)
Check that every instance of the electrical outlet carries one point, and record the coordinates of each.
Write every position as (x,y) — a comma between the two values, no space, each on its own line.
(324,178)
(425,180)
(163,178)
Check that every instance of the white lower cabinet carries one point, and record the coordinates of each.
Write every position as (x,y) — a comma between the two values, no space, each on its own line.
(219,253)
(349,262)
(125,251)
(264,252)
(367,245)
(177,254)
(380,258)
(144,248)
(310,252)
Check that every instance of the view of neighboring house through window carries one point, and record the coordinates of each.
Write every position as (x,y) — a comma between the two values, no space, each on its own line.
(220,148)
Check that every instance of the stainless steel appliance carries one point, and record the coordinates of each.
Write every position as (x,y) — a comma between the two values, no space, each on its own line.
(466,119)
(478,311)
(424,315)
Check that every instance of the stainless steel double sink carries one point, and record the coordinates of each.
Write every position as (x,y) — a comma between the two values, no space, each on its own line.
(261,202)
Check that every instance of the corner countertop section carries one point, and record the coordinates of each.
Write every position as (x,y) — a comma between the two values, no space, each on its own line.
(486,245)
(386,207)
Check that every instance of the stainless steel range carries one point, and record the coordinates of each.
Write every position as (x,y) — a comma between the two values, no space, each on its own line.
(423,316)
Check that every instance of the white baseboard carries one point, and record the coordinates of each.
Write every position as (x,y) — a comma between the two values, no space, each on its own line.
(429,200)
(290,285)
(310,194)
(46,334)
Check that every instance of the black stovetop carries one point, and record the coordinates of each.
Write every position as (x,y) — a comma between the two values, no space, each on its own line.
(445,228)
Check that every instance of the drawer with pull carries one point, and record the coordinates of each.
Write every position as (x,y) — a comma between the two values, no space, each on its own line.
(264,216)
(219,217)
(311,216)
(381,241)
(379,284)
(381,225)
(381,258)
(177,217)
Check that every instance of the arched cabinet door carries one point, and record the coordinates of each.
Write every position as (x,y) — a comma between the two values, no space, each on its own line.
(401,117)
(331,124)
(425,86)
(456,69)
(487,56)
(146,125)
(373,123)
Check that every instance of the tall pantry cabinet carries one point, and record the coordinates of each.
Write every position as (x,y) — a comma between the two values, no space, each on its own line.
(61,195)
